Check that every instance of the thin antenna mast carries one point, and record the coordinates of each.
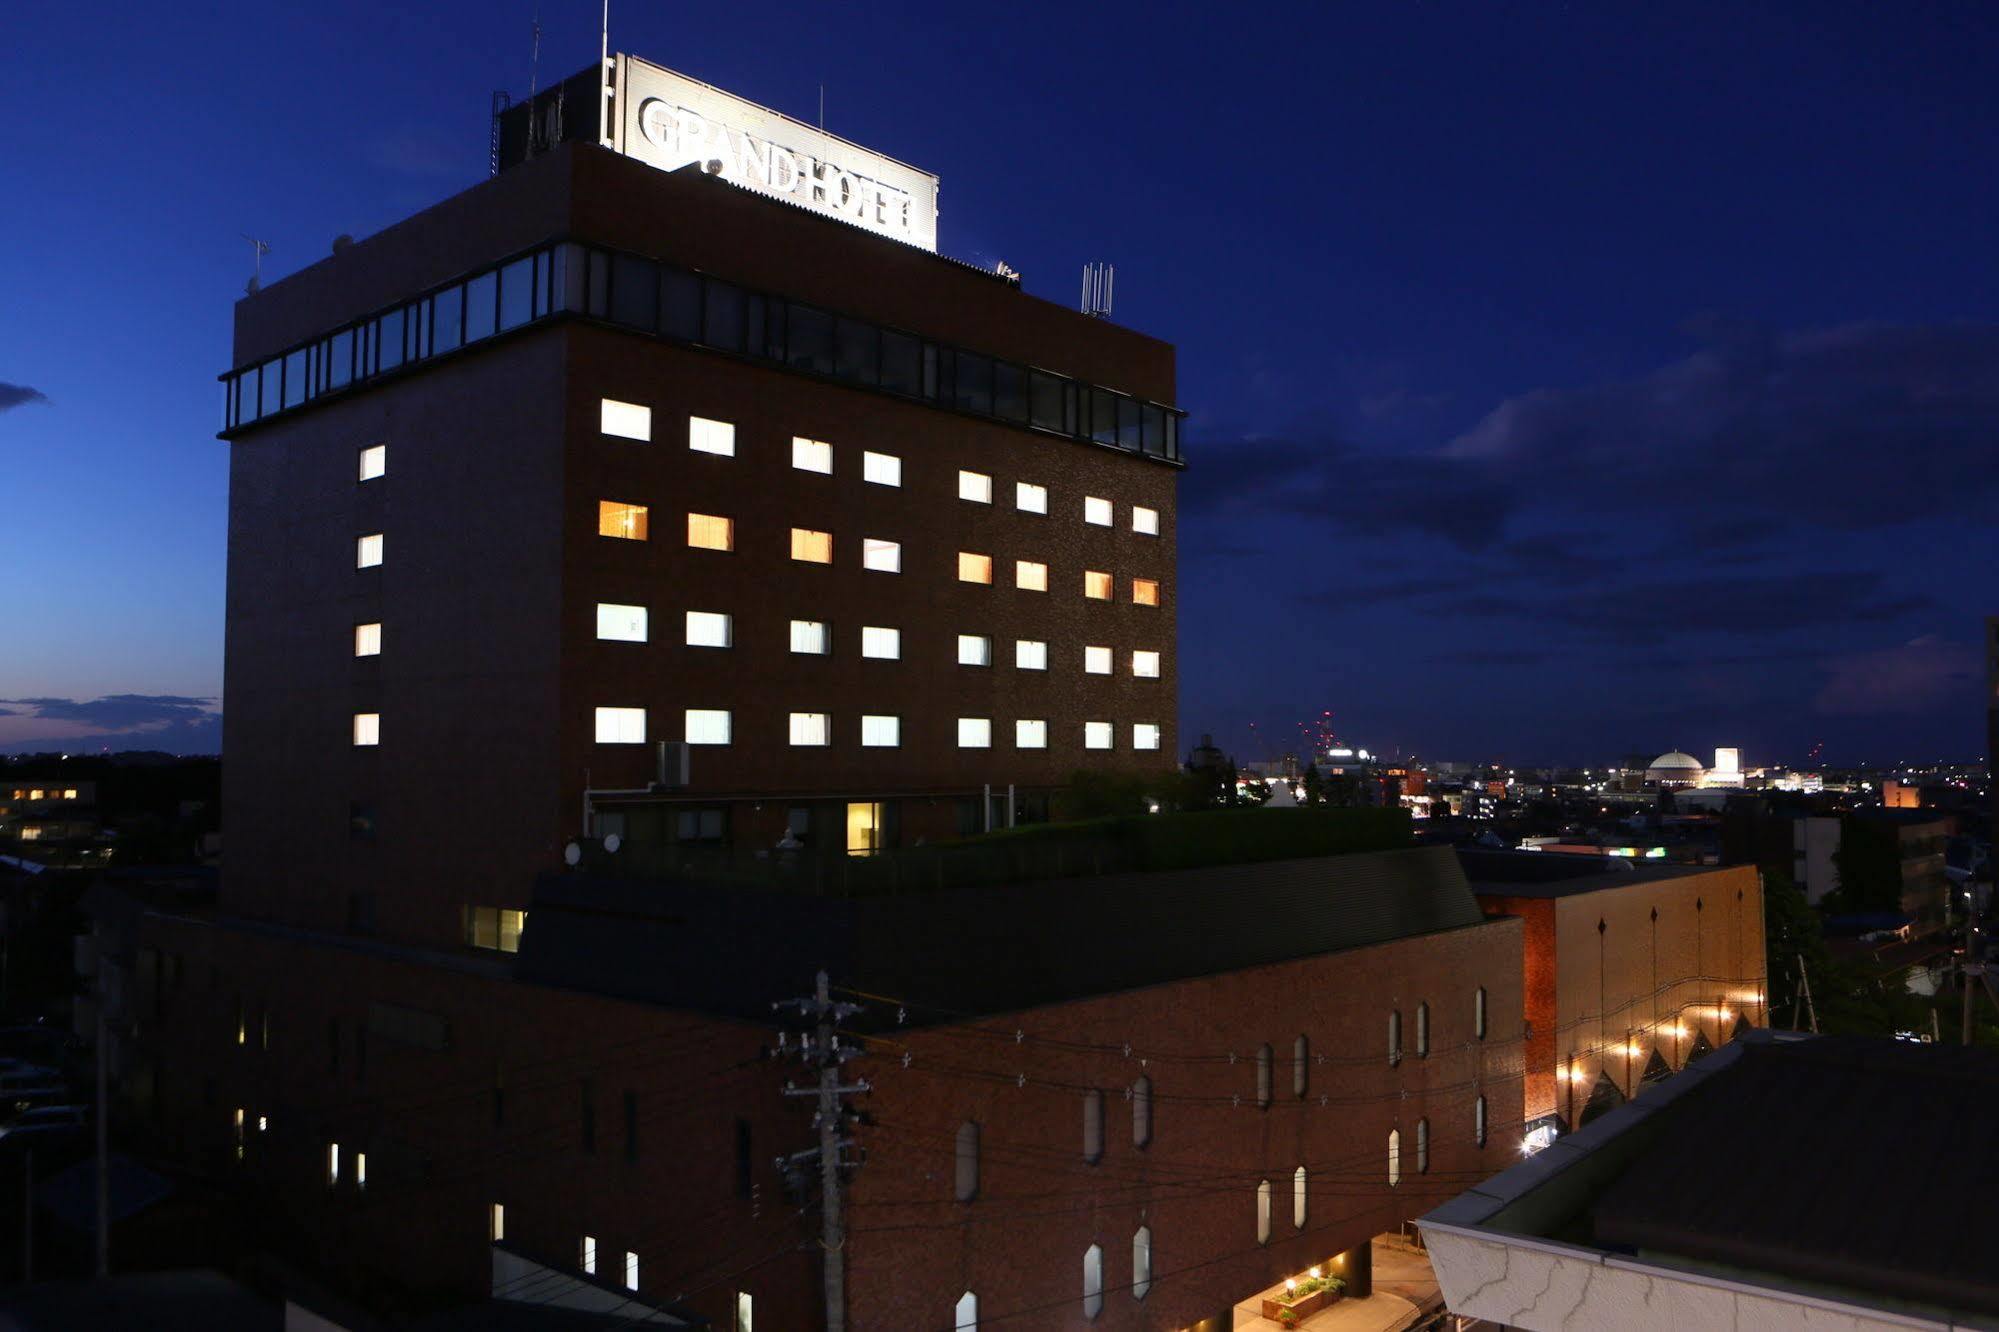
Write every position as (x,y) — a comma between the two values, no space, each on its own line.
(260,248)
(534,77)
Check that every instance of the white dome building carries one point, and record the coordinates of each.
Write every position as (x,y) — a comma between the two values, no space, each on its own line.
(1675,769)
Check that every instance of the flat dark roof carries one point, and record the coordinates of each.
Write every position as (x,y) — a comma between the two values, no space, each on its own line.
(1561,873)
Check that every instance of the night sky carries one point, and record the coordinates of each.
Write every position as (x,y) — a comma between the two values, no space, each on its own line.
(1563,383)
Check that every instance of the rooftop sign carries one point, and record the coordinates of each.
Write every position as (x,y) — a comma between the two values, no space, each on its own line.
(670,121)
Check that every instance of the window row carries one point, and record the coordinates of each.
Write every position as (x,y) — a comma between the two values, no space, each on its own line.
(965,1313)
(1422,1050)
(633,420)
(714,726)
(683,306)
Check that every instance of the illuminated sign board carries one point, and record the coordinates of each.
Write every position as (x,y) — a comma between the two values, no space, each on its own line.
(671,121)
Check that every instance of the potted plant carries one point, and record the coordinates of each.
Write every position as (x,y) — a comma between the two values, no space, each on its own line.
(1303,1297)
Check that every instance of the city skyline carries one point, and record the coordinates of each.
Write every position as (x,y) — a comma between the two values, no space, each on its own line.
(1557,388)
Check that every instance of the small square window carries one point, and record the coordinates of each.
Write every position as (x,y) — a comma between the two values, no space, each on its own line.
(1144,521)
(1030,576)
(881,556)
(809,638)
(976,487)
(367,640)
(626,420)
(1145,591)
(1145,735)
(374,461)
(975,650)
(1030,654)
(1145,664)
(626,522)
(1096,661)
(811,547)
(1030,734)
(621,726)
(705,531)
(1096,586)
(1098,512)
(975,733)
(880,732)
(706,436)
(707,726)
(881,644)
(368,551)
(881,469)
(810,728)
(1030,498)
(1097,735)
(974,568)
(367,728)
(707,629)
(621,624)
(812,455)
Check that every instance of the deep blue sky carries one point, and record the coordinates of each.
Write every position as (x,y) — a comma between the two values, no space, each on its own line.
(1565,381)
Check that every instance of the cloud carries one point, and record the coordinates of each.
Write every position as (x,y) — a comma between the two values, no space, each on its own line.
(1914,677)
(169,722)
(19,395)
(1656,610)
(1494,657)
(118,712)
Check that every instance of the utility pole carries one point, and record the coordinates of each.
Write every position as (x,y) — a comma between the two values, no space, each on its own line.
(821,1048)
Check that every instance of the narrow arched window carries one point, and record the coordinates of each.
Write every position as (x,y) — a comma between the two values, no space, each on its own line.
(1423,1031)
(1093,1281)
(1478,1012)
(1263,1077)
(1141,1112)
(968,1161)
(1093,1126)
(1394,1037)
(965,1317)
(1263,1212)
(1298,1198)
(1301,1057)
(1394,1157)
(1423,1146)
(1478,1120)
(1141,1262)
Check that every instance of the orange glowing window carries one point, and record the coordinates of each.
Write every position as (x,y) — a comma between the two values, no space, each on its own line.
(1145,591)
(974,568)
(618,519)
(811,547)
(1097,586)
(705,531)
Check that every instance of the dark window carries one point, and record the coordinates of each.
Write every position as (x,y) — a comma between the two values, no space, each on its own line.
(517,293)
(930,389)
(1128,424)
(598,284)
(635,292)
(482,303)
(360,1049)
(700,825)
(340,360)
(1009,392)
(631,1125)
(722,315)
(1155,430)
(333,1045)
(295,378)
(859,351)
(1103,417)
(589,1107)
(974,389)
(682,297)
(447,321)
(247,407)
(745,1172)
(902,364)
(754,341)
(1045,395)
(361,820)
(810,342)
(499,1102)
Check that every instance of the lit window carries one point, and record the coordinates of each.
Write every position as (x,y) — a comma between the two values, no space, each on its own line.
(967,1181)
(965,1314)
(1141,1262)
(811,547)
(367,640)
(621,726)
(1144,592)
(881,556)
(621,624)
(368,551)
(1263,1212)
(882,469)
(744,1307)
(374,461)
(1030,654)
(589,1254)
(975,733)
(332,1164)
(496,1222)
(809,728)
(1097,586)
(705,436)
(707,629)
(626,420)
(1298,1198)
(627,522)
(1096,661)
(705,531)
(809,638)
(1263,1058)
(880,732)
(1030,498)
(1145,735)
(631,1270)
(1394,1157)
(971,568)
(1478,1013)
(1030,575)
(1144,521)
(1093,1281)
(497,928)
(976,487)
(881,644)
(975,650)
(1030,734)
(360,1170)
(812,455)
(1098,512)
(1097,735)
(1145,665)
(367,728)
(707,726)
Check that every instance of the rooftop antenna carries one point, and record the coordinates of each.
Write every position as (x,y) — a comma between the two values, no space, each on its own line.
(822,108)
(534,77)
(1098,282)
(604,77)
(261,248)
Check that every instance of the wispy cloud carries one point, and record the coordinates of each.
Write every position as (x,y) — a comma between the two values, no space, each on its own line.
(19,395)
(171,722)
